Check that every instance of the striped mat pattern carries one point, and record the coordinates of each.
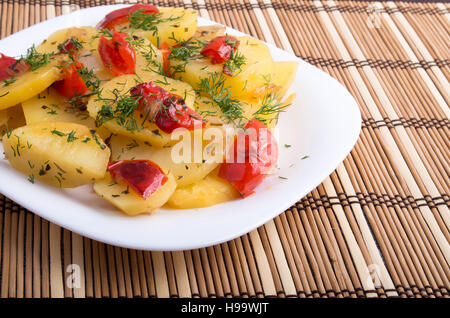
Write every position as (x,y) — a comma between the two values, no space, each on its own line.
(378,226)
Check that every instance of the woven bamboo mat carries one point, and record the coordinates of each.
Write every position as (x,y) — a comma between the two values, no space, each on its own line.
(377,227)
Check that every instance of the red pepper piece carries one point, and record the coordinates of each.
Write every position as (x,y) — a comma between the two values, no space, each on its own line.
(219,49)
(168,111)
(122,15)
(117,55)
(260,152)
(10,67)
(72,85)
(165,49)
(143,176)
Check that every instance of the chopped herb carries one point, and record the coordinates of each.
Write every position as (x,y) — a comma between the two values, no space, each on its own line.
(9,81)
(86,140)
(287,146)
(59,133)
(71,136)
(31,178)
(305,157)
(282,177)
(270,106)
(214,87)
(233,66)
(36,59)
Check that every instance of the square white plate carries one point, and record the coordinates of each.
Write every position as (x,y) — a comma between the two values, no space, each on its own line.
(323,123)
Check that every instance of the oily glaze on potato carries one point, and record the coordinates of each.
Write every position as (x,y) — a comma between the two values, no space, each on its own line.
(61,154)
(172,25)
(49,106)
(120,87)
(30,84)
(128,201)
(185,173)
(245,83)
(209,191)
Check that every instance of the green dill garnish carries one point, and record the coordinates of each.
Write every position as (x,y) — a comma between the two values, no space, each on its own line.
(233,66)
(287,146)
(71,136)
(122,113)
(9,81)
(282,177)
(305,157)
(76,45)
(30,164)
(58,133)
(270,106)
(94,136)
(31,178)
(149,21)
(214,87)
(89,78)
(86,140)
(8,132)
(36,59)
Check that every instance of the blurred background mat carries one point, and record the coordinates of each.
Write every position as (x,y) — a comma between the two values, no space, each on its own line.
(377,227)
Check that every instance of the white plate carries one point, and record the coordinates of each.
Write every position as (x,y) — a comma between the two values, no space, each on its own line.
(323,123)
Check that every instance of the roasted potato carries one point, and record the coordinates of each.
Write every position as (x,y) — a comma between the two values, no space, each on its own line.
(128,201)
(30,83)
(119,87)
(206,192)
(49,106)
(244,84)
(61,154)
(185,173)
(172,25)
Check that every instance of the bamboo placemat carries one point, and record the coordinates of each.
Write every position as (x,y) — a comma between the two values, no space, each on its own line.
(377,227)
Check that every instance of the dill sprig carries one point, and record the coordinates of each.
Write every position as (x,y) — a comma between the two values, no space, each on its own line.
(36,59)
(89,78)
(121,109)
(214,87)
(270,108)
(149,21)
(233,66)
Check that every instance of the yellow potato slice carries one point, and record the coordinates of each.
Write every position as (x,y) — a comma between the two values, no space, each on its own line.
(244,84)
(120,86)
(177,25)
(61,154)
(49,106)
(209,191)
(185,173)
(128,201)
(30,84)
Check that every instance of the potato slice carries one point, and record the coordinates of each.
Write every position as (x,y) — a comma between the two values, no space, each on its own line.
(30,84)
(185,173)
(207,33)
(176,25)
(120,86)
(50,106)
(88,54)
(209,191)
(128,201)
(253,76)
(61,154)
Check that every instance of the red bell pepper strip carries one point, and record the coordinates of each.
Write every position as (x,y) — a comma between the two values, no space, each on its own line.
(255,152)
(143,176)
(165,49)
(219,49)
(168,111)
(10,67)
(117,55)
(72,85)
(122,15)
